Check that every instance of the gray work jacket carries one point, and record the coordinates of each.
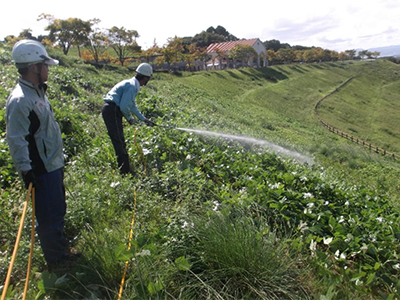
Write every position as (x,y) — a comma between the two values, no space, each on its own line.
(33,135)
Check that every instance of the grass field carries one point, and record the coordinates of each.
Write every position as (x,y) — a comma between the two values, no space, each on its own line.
(214,218)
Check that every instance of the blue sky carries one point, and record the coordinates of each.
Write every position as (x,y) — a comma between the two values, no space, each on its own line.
(336,25)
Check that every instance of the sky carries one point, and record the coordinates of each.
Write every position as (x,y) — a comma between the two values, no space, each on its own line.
(335,25)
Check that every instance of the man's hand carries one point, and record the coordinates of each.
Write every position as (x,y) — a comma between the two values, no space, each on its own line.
(149,123)
(29,177)
(132,121)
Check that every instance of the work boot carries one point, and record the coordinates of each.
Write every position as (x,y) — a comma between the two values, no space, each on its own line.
(65,264)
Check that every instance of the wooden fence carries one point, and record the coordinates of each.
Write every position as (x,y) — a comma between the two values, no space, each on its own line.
(346,135)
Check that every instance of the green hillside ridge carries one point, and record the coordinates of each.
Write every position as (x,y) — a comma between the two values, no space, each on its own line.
(216,218)
(277,104)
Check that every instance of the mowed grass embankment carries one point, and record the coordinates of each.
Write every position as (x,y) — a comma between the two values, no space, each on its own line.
(277,104)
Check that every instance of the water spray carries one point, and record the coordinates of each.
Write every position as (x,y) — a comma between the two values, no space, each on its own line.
(249,140)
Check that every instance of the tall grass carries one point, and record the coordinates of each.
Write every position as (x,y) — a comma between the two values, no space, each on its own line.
(235,258)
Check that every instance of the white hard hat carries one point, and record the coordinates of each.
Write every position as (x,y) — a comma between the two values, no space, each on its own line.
(27,52)
(145,69)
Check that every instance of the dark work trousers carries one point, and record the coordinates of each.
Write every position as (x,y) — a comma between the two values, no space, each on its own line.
(50,209)
(112,117)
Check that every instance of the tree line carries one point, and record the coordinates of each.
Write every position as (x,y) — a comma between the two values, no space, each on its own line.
(119,45)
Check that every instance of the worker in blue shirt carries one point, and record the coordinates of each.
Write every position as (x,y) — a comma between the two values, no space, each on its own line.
(119,103)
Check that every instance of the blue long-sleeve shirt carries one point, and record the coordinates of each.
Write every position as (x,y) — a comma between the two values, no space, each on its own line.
(123,94)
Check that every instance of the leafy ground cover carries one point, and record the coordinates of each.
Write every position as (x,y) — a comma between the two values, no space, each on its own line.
(215,218)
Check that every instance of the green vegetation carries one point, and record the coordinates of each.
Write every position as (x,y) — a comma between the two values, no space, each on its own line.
(217,218)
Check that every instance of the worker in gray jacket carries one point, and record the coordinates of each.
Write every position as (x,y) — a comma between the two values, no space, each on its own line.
(120,103)
(36,147)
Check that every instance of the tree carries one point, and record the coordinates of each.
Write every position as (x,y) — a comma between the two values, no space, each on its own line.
(67,33)
(222,32)
(173,52)
(368,54)
(26,34)
(274,45)
(309,55)
(123,42)
(97,46)
(194,53)
(328,55)
(204,39)
(375,54)
(272,56)
(363,53)
(299,55)
(203,56)
(213,35)
(221,56)
(151,52)
(286,54)
(243,53)
(351,53)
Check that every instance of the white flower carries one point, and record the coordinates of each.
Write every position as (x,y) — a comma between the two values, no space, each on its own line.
(307,195)
(327,241)
(339,255)
(349,238)
(364,247)
(216,205)
(313,246)
(274,186)
(115,184)
(303,226)
(185,224)
(145,252)
(146,151)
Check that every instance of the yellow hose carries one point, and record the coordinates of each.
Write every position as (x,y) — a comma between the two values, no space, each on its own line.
(28,272)
(140,151)
(21,225)
(133,218)
(129,247)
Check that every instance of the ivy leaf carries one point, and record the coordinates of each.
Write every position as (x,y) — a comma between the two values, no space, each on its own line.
(48,282)
(122,253)
(182,264)
(154,287)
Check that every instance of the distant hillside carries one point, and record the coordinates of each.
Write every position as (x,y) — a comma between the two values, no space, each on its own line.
(387,51)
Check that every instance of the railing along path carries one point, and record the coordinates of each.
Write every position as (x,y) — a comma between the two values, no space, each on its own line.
(346,135)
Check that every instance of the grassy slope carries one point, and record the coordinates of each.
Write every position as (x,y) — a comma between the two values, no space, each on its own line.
(277,104)
(274,103)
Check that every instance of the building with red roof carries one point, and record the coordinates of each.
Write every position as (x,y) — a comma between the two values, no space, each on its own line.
(220,62)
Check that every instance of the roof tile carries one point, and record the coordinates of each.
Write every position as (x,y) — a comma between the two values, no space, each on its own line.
(226,46)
